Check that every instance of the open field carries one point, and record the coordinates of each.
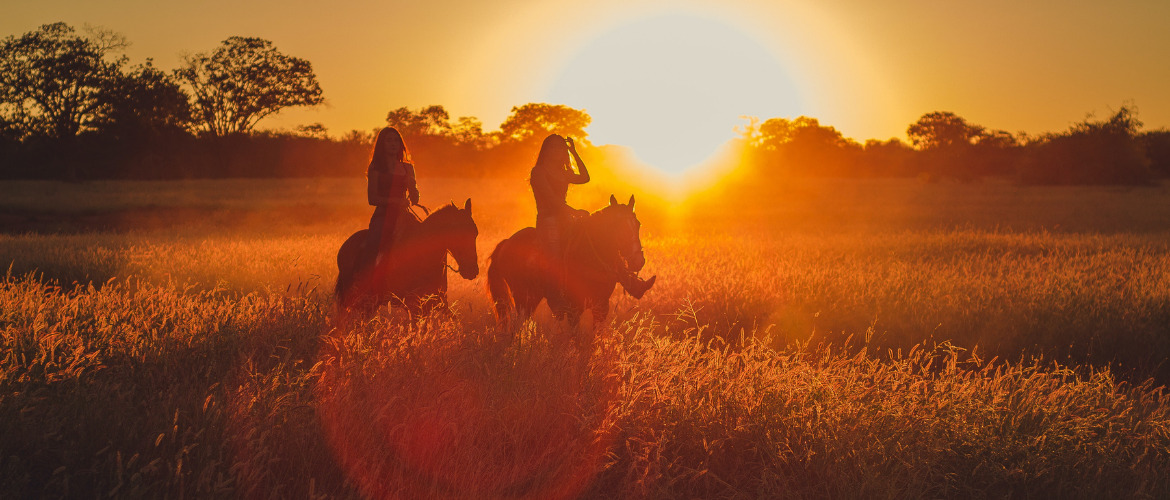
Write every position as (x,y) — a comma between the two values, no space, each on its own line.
(845,339)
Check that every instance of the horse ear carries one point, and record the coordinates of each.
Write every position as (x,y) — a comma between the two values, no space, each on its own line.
(612,200)
(467,205)
(631,202)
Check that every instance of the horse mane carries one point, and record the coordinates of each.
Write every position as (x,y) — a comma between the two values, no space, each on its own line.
(591,235)
(445,208)
(442,214)
(601,210)
(439,217)
(596,216)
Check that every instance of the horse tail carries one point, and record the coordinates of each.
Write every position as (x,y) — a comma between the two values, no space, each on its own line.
(497,284)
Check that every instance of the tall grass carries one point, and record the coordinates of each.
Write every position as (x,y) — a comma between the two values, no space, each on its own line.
(125,389)
(900,343)
(137,389)
(1081,298)
(1097,298)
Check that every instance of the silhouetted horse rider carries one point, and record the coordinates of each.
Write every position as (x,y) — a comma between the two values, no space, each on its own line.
(550,179)
(391,188)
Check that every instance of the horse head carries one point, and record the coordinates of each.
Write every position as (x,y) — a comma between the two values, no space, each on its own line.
(459,232)
(623,228)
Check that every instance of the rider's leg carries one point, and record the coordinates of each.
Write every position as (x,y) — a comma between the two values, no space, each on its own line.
(369,253)
(377,252)
(550,228)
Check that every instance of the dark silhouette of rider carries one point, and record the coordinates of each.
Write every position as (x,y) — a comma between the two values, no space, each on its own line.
(391,188)
(550,179)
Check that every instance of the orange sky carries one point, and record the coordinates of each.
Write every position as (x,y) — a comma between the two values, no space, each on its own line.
(683,70)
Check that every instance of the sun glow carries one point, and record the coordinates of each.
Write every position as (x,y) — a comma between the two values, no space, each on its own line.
(674,87)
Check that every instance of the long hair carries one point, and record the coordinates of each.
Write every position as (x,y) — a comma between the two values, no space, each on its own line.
(554,153)
(389,137)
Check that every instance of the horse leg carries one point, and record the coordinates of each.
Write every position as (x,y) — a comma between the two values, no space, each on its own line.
(569,310)
(599,306)
(582,335)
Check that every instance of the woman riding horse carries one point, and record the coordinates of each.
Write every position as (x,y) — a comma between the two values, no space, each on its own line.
(366,268)
(391,188)
(550,179)
(602,249)
(418,276)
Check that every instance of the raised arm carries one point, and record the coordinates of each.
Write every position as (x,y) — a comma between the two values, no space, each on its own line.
(582,175)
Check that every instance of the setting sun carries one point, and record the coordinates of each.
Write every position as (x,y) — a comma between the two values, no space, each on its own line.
(673,87)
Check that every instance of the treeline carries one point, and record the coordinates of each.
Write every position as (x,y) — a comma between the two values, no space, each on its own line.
(944,145)
(72,107)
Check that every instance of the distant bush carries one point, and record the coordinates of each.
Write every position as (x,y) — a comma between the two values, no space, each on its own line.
(1091,152)
(1157,144)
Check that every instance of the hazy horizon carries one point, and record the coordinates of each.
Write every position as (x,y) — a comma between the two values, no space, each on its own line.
(657,74)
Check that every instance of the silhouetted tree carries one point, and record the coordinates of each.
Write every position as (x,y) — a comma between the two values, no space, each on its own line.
(245,80)
(995,153)
(947,142)
(51,79)
(312,130)
(942,129)
(534,121)
(439,146)
(469,131)
(771,134)
(803,146)
(142,127)
(143,102)
(429,121)
(891,158)
(1092,152)
(1157,145)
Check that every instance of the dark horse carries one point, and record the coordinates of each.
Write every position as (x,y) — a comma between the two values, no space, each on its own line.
(417,270)
(600,248)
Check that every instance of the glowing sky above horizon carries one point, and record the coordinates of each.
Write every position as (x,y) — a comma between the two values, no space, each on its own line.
(671,79)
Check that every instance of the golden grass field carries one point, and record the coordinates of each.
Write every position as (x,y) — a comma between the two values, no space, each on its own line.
(832,339)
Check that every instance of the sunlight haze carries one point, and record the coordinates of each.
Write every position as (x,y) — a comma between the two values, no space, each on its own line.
(670,79)
(673,87)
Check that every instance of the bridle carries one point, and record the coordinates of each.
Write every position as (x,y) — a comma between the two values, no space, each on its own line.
(445,263)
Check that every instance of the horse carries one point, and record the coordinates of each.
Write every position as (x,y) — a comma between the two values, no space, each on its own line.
(416,274)
(600,247)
